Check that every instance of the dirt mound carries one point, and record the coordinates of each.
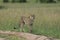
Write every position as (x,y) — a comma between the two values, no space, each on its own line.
(2,38)
(28,36)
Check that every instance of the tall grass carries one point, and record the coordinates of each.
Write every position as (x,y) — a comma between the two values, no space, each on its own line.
(47,21)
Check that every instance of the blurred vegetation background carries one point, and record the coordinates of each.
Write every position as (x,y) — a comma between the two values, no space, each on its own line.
(29,1)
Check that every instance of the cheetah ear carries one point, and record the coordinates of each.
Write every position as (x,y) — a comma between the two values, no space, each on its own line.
(33,16)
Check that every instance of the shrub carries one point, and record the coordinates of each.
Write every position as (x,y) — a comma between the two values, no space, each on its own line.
(22,1)
(5,1)
(1,7)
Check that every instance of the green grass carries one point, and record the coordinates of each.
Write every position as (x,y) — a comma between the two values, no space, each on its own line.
(47,21)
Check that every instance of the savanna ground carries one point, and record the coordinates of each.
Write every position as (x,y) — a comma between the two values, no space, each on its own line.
(47,21)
